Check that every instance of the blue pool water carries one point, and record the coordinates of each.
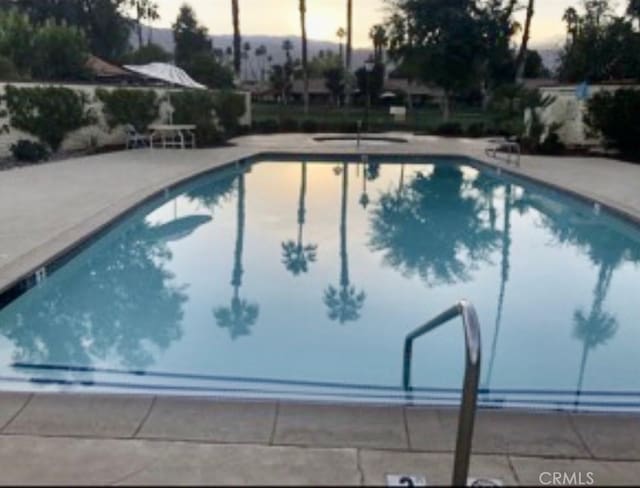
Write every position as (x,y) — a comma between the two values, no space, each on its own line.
(301,280)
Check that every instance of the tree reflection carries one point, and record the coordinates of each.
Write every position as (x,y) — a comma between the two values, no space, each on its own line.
(296,256)
(364,196)
(432,226)
(597,327)
(344,302)
(607,248)
(214,193)
(114,304)
(373,171)
(240,315)
(504,276)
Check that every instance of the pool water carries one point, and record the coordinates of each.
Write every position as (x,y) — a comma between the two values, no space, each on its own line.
(280,279)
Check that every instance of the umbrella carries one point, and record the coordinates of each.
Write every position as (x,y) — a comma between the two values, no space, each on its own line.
(388,94)
(167,73)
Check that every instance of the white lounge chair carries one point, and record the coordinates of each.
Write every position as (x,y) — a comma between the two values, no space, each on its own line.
(134,138)
(507,145)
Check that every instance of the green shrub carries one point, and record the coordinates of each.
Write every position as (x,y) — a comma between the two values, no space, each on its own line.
(551,145)
(309,126)
(197,107)
(8,70)
(449,129)
(347,127)
(476,129)
(29,151)
(616,116)
(266,126)
(48,113)
(289,125)
(139,108)
(229,108)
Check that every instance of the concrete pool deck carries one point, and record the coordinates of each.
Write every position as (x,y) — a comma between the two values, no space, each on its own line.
(111,439)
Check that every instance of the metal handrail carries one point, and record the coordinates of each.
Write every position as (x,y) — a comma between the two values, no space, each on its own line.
(470,385)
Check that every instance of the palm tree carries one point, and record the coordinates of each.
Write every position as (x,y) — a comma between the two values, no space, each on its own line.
(572,20)
(241,314)
(305,66)
(521,60)
(296,256)
(287,47)
(246,55)
(237,39)
(341,33)
(378,35)
(349,47)
(228,54)
(344,302)
(261,53)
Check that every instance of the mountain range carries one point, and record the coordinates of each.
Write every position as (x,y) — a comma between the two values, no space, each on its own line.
(164,37)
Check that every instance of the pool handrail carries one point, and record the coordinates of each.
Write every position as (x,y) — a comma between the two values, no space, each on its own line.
(473,348)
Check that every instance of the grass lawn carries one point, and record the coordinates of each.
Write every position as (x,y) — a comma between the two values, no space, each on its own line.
(421,119)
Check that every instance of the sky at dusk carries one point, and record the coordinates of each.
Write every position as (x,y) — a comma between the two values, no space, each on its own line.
(281,17)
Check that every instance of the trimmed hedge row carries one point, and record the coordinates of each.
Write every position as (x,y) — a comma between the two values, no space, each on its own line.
(51,113)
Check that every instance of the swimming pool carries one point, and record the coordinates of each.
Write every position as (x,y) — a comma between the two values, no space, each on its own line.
(301,279)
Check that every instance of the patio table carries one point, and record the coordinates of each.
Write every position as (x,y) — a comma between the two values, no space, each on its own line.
(173,135)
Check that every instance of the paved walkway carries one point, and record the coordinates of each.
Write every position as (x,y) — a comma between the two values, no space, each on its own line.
(102,439)
(68,439)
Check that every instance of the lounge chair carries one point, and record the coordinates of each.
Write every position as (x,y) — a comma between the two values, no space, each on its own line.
(507,145)
(134,138)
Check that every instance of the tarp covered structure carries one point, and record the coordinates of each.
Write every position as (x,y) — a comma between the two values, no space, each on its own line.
(167,73)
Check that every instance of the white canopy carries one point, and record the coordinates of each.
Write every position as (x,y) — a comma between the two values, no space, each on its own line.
(166,72)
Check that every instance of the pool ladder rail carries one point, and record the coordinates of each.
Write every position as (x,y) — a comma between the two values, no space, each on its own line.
(468,407)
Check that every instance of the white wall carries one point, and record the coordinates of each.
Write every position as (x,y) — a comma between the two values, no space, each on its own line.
(97,135)
(570,112)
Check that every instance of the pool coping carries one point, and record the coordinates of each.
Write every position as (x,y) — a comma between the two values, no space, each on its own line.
(588,436)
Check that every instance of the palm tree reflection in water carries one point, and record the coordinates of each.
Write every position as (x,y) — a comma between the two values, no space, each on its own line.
(597,327)
(296,256)
(344,302)
(241,314)
(607,249)
(433,227)
(504,274)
